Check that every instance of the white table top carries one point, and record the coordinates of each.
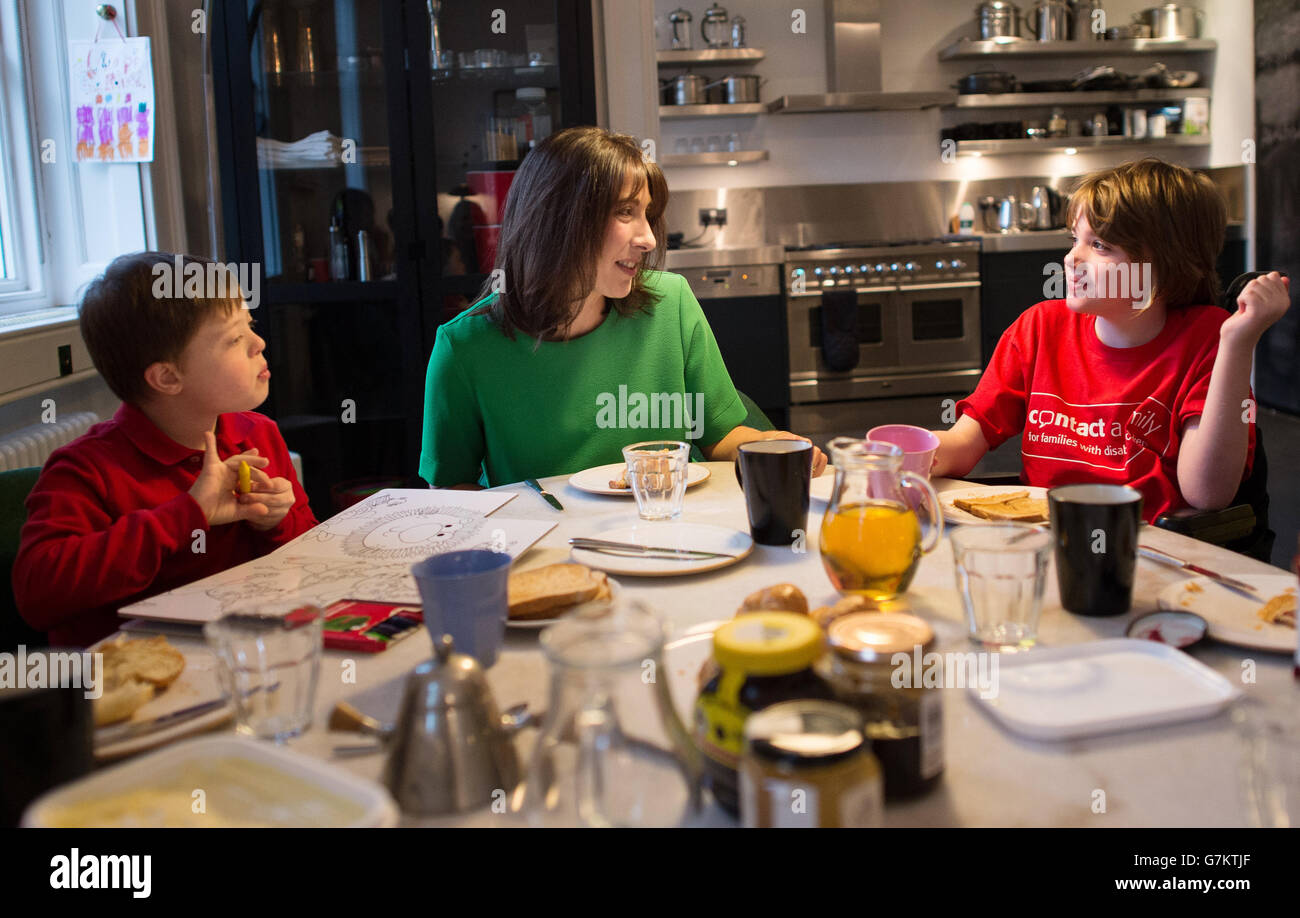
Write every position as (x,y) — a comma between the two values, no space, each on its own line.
(1180,775)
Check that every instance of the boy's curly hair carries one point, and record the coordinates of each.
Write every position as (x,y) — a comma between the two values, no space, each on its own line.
(1161,213)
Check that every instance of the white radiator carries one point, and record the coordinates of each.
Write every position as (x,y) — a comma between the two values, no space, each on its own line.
(31,446)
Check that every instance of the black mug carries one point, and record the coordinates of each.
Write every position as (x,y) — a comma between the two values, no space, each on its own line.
(776,476)
(1095,528)
(46,739)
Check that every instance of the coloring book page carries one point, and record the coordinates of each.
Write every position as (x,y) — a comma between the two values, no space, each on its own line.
(112,100)
(364,552)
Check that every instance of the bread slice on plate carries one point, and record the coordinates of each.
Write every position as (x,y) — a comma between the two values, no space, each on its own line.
(543,591)
(152,660)
(1011,506)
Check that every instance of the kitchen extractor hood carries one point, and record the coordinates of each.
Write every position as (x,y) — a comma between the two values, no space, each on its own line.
(853,68)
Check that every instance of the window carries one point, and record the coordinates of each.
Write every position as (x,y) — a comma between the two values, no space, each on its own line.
(22,281)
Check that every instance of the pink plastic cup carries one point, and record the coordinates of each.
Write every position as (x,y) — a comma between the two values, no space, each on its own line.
(917,443)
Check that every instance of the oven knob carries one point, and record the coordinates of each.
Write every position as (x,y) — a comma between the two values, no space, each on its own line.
(910,267)
(848,269)
(958,264)
(895,268)
(817,271)
(834,270)
(880,268)
(939,265)
(864,269)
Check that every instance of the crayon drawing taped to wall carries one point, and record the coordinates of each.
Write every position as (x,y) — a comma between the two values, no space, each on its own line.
(112,100)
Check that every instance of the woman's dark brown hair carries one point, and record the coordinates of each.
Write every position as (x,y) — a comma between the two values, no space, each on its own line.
(1160,213)
(553,230)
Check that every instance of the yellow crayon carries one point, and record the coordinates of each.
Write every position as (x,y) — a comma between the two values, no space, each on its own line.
(245,478)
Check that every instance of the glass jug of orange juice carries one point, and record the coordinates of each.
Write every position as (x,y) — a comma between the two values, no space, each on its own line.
(871,540)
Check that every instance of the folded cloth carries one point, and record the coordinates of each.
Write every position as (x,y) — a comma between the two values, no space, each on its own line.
(839,329)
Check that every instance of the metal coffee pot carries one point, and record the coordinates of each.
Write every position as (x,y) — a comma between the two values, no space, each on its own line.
(452,749)
(715,27)
(1014,214)
(681,27)
(1044,202)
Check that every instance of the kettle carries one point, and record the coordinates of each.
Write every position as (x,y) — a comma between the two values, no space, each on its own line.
(1045,203)
(1014,215)
(715,26)
(451,750)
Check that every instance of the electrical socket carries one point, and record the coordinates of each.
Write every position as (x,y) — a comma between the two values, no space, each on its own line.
(713,216)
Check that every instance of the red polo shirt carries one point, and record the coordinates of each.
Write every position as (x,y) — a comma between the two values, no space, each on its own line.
(110,522)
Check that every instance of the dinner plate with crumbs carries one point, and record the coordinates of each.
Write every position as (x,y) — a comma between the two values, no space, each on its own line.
(725,546)
(1233,619)
(597,480)
(198,682)
(995,504)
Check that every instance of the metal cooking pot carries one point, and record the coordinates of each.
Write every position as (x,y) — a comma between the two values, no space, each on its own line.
(986,81)
(734,88)
(1172,21)
(998,19)
(686,89)
(1050,20)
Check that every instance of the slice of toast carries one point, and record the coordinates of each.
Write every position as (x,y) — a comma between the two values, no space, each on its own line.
(121,701)
(1280,610)
(542,591)
(1011,506)
(152,660)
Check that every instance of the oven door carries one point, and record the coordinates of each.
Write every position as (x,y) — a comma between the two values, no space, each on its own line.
(939,325)
(876,332)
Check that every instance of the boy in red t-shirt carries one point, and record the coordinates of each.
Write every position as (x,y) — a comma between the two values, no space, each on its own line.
(144,502)
(1132,378)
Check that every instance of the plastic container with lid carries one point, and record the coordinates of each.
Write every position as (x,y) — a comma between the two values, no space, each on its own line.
(904,724)
(763,658)
(532,117)
(808,764)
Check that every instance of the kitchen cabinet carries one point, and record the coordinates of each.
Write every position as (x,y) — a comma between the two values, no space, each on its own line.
(333,120)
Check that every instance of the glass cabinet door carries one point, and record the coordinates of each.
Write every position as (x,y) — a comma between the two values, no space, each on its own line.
(321,118)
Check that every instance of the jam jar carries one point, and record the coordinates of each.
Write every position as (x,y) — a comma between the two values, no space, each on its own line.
(808,764)
(902,718)
(763,658)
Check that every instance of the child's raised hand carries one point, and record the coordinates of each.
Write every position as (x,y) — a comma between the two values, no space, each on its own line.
(214,489)
(1262,302)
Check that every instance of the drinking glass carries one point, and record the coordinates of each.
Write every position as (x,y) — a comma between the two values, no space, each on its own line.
(269,663)
(656,470)
(1002,572)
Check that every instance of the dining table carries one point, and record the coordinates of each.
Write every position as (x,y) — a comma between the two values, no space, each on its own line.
(1178,775)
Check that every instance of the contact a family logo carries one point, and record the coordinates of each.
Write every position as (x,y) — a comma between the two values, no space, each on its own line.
(945,670)
(53,669)
(208,280)
(75,870)
(1106,281)
(654,410)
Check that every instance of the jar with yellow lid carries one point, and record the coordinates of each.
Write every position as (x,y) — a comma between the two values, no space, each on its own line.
(763,658)
(902,718)
(809,764)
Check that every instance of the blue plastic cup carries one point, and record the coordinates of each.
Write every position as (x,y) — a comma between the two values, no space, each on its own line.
(464,595)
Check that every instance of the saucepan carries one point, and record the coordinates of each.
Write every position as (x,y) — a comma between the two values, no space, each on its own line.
(1172,21)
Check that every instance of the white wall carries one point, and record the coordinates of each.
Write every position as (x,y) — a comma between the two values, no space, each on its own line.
(904,146)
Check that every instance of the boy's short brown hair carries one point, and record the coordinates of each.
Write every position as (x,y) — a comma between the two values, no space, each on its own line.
(1161,213)
(127,326)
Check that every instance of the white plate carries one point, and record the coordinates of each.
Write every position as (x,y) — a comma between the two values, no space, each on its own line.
(953,514)
(1234,619)
(197,683)
(697,536)
(1103,687)
(596,480)
(533,624)
(683,657)
(243,780)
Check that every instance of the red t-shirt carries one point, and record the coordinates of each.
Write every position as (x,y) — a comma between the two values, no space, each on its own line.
(110,522)
(1095,413)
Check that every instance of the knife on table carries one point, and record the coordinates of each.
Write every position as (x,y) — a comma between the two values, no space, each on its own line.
(118,732)
(635,549)
(1237,586)
(550,498)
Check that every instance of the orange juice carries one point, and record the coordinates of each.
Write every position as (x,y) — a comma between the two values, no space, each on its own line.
(872,548)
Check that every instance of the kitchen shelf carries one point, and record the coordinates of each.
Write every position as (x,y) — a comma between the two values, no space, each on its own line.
(723,110)
(1082,98)
(710,56)
(1081,144)
(722,158)
(860,102)
(968,49)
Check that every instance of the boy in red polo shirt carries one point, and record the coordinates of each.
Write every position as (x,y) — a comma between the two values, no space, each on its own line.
(149,500)
(1134,378)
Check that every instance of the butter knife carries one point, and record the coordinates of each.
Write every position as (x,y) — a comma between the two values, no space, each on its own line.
(550,498)
(635,548)
(116,733)
(1237,586)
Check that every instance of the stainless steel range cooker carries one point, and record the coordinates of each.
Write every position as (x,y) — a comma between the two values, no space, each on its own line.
(913,312)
